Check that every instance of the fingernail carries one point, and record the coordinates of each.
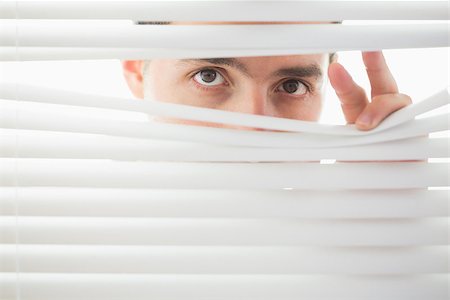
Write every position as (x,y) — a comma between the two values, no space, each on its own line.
(364,120)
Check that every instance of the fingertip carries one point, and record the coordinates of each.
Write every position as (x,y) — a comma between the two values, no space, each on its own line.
(364,121)
(338,70)
(405,98)
(364,126)
(340,79)
(372,59)
(372,53)
(334,67)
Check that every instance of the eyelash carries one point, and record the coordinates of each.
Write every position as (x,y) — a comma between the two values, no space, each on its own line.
(210,88)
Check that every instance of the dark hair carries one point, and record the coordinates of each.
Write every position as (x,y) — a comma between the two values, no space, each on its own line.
(152,23)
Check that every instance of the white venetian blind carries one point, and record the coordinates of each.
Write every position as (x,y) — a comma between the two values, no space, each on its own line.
(97,205)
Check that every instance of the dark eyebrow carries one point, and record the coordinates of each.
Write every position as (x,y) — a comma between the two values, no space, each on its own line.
(312,70)
(231,62)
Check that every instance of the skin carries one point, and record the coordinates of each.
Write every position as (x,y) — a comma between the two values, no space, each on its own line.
(256,85)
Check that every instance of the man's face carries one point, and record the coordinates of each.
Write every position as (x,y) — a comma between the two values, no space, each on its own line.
(284,86)
(280,86)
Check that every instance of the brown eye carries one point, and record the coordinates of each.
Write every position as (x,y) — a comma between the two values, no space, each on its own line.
(209,77)
(294,86)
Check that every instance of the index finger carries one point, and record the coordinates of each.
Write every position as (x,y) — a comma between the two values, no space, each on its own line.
(380,77)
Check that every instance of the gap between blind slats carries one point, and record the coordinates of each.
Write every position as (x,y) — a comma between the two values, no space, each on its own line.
(166,175)
(321,38)
(226,10)
(26,93)
(224,232)
(41,286)
(71,146)
(48,120)
(225,260)
(145,203)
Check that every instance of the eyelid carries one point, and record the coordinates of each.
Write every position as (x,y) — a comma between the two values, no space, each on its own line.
(309,87)
(217,69)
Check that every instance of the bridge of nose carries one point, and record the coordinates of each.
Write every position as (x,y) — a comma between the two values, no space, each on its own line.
(254,98)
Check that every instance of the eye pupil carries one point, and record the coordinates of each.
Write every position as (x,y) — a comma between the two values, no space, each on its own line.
(208,75)
(290,86)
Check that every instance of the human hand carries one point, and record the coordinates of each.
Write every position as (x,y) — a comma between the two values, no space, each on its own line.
(385,98)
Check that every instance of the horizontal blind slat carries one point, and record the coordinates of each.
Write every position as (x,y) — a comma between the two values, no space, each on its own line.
(41,286)
(226,10)
(224,260)
(321,38)
(224,232)
(114,202)
(10,53)
(33,119)
(33,94)
(48,145)
(162,175)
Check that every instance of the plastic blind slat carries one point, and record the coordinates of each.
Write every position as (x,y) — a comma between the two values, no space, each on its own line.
(156,108)
(98,173)
(61,121)
(225,232)
(226,10)
(226,259)
(321,37)
(40,286)
(37,144)
(157,203)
